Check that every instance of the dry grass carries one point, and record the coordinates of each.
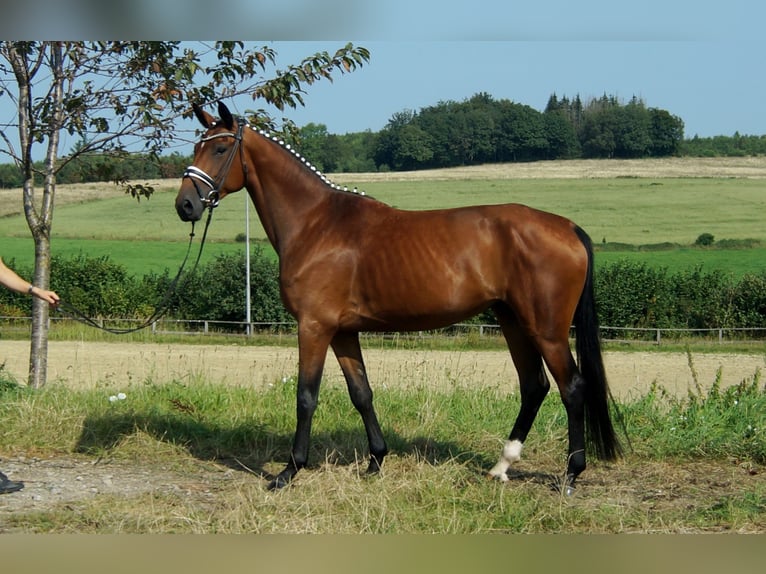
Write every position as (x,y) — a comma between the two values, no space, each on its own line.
(723,167)
(146,465)
(414,494)
(11,199)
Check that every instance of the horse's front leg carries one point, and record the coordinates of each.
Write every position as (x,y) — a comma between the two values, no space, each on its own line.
(312,351)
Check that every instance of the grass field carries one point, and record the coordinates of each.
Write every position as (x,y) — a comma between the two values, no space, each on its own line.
(138,257)
(616,202)
(734,262)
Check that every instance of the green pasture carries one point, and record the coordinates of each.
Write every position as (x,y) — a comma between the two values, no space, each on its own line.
(619,210)
(139,257)
(734,262)
(148,236)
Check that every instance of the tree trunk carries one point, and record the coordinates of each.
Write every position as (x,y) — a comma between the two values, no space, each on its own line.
(39,216)
(38,352)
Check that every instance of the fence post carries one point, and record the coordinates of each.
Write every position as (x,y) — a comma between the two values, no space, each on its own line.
(659,336)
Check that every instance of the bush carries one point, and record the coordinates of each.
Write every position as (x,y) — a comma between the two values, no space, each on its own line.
(15,304)
(701,300)
(632,295)
(96,286)
(705,240)
(99,288)
(635,295)
(749,301)
(217,291)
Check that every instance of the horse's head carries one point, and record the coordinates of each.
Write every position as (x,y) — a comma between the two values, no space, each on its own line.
(217,169)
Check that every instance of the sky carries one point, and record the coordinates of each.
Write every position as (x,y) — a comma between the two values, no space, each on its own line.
(709,84)
(700,61)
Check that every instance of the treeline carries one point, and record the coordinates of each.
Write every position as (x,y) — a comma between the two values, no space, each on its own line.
(628,294)
(477,130)
(725,146)
(90,168)
(484,130)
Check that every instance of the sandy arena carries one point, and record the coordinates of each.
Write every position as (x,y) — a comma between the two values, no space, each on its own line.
(117,366)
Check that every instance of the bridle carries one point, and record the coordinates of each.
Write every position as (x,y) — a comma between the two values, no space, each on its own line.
(195,174)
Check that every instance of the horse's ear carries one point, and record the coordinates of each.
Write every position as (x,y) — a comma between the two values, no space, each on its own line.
(204,118)
(225,115)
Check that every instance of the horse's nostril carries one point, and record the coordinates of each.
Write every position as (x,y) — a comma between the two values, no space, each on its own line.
(185,209)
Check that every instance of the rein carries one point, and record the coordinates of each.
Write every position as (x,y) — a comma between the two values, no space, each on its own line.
(164,304)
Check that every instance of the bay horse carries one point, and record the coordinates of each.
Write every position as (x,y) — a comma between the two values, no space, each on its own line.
(349,263)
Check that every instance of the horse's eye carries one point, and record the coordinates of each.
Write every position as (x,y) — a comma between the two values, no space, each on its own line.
(220,150)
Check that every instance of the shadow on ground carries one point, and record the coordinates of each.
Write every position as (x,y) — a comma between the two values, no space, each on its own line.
(251,447)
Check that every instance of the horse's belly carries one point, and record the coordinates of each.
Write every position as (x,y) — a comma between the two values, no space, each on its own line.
(420,305)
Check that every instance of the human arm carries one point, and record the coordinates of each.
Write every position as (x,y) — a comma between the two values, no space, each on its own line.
(11,280)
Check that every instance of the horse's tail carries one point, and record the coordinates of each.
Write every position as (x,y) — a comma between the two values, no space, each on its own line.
(600,432)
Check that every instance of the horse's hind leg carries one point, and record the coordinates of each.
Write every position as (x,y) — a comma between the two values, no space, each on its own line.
(349,355)
(533,385)
(571,385)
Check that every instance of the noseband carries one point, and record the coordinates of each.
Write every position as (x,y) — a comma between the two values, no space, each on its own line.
(213,197)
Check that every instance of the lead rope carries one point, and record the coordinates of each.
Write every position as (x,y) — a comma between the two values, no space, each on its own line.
(162,307)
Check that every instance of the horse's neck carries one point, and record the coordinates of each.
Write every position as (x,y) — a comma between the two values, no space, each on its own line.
(285,193)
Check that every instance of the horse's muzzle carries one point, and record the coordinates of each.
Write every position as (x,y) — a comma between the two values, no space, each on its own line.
(189,207)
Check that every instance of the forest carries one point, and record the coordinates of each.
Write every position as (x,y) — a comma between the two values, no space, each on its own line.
(478,130)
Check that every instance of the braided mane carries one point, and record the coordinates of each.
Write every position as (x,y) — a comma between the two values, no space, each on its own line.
(286,146)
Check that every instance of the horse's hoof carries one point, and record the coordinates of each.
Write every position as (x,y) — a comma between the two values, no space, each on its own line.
(567,488)
(278,483)
(499,476)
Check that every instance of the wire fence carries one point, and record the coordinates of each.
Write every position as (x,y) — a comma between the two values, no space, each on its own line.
(180,327)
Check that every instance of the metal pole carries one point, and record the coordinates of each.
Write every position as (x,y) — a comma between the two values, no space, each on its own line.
(248,316)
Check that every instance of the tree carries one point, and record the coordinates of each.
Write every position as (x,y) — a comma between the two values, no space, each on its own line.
(600,127)
(402,144)
(318,146)
(116,95)
(560,135)
(523,134)
(633,130)
(667,132)
(312,143)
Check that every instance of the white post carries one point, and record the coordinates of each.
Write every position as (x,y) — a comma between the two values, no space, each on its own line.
(247,262)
